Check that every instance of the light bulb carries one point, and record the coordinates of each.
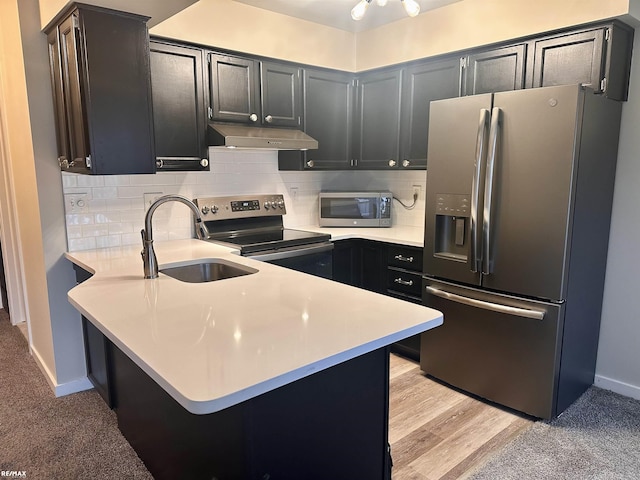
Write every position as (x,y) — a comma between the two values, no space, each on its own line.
(358,11)
(411,7)
(381,3)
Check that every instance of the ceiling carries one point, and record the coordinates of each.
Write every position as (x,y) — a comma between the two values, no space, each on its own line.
(337,13)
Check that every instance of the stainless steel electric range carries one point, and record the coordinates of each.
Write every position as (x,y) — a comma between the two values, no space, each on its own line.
(254,224)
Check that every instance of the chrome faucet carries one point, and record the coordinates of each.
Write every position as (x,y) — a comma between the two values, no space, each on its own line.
(149,260)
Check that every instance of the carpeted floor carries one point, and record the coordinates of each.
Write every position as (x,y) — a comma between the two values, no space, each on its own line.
(76,437)
(72,437)
(598,437)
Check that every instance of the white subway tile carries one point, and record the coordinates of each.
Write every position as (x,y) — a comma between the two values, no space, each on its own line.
(69,180)
(108,241)
(79,219)
(76,244)
(96,230)
(104,192)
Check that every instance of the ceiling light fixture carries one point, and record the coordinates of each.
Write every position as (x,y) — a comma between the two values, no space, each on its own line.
(410,6)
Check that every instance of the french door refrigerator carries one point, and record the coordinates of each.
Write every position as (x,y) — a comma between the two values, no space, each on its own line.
(519,194)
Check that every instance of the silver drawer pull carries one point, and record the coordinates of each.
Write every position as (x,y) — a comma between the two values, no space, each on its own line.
(403,258)
(404,282)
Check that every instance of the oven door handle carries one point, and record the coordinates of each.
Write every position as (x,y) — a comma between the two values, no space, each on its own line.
(271,255)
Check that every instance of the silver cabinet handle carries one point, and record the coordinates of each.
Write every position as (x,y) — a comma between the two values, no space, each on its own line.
(403,282)
(253,117)
(392,163)
(406,163)
(402,258)
(268,119)
(204,162)
(310,163)
(494,136)
(483,126)
(494,307)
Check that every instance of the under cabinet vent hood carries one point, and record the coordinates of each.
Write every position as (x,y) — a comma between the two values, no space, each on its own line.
(240,136)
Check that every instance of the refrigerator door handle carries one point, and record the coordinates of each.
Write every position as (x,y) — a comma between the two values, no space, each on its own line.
(494,307)
(494,136)
(476,239)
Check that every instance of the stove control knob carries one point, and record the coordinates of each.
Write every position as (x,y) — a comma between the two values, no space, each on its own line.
(267,205)
(205,210)
(214,209)
(280,204)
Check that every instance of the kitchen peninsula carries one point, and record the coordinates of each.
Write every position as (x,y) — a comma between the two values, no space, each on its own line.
(275,374)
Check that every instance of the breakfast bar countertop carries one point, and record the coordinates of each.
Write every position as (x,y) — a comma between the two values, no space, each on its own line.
(215,344)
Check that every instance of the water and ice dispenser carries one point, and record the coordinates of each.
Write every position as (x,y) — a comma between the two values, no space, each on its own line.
(452,225)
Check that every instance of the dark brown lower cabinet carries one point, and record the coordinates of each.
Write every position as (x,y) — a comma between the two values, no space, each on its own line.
(332,424)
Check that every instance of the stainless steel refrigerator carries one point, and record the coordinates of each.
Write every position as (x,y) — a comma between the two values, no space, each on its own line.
(519,195)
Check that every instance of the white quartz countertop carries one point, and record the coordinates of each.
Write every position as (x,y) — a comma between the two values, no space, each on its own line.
(213,345)
(403,235)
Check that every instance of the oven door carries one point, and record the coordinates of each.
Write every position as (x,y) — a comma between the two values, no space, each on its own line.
(315,259)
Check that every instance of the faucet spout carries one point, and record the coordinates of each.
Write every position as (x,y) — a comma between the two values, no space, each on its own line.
(149,260)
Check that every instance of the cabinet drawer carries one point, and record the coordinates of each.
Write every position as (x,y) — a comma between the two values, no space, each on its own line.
(404,281)
(409,258)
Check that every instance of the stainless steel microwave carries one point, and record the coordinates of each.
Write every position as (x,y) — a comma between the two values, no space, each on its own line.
(355,209)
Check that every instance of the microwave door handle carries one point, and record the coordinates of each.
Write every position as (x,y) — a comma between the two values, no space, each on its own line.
(492,156)
(493,307)
(483,125)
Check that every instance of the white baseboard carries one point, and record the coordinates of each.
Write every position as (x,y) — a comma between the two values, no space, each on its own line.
(60,390)
(75,386)
(617,386)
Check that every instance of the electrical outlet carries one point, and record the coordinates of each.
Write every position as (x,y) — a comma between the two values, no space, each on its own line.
(417,190)
(293,192)
(151,197)
(76,203)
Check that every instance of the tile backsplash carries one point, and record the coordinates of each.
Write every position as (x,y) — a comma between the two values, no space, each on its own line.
(108,210)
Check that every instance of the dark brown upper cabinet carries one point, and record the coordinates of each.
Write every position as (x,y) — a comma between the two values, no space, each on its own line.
(329,103)
(179,108)
(253,92)
(281,94)
(377,122)
(423,83)
(599,58)
(101,85)
(494,70)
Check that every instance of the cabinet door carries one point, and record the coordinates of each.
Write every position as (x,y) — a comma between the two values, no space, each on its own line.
(422,84)
(373,266)
(179,118)
(73,88)
(328,106)
(281,94)
(234,86)
(378,119)
(567,59)
(496,70)
(55,70)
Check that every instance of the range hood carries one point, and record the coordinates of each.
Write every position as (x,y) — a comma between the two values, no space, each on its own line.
(241,136)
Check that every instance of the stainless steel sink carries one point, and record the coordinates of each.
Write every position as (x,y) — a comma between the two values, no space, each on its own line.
(205,270)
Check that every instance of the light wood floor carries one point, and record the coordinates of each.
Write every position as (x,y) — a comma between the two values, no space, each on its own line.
(439,433)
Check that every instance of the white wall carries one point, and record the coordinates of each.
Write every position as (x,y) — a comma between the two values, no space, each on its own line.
(618,366)
(114,213)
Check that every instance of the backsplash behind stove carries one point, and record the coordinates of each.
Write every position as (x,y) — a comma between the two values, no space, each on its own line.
(112,207)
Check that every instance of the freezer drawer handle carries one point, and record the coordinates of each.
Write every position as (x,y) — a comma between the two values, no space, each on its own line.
(494,307)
